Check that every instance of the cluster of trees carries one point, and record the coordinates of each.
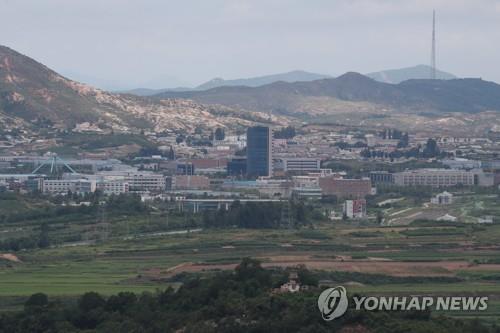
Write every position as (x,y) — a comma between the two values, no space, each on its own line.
(410,153)
(344,145)
(237,301)
(430,150)
(16,244)
(122,203)
(220,134)
(194,140)
(285,133)
(258,215)
(126,204)
(150,151)
(420,192)
(38,212)
(42,241)
(45,212)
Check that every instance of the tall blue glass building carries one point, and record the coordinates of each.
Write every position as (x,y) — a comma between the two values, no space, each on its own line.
(259,151)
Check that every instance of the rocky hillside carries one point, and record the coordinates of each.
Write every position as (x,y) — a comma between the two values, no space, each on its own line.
(31,93)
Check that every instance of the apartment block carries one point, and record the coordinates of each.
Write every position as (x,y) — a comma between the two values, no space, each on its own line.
(299,164)
(146,182)
(190,183)
(345,188)
(61,186)
(113,187)
(434,177)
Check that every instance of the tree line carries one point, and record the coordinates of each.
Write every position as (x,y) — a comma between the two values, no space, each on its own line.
(230,301)
(262,215)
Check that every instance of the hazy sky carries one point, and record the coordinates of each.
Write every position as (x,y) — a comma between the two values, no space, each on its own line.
(165,43)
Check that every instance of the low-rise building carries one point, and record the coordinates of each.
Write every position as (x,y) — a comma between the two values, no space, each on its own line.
(305,181)
(434,177)
(355,209)
(237,167)
(444,198)
(462,163)
(482,178)
(447,218)
(113,187)
(301,164)
(209,163)
(19,178)
(143,181)
(346,188)
(381,177)
(62,186)
(181,182)
(485,219)
(307,192)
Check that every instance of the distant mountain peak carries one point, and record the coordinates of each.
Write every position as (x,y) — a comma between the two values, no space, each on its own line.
(349,76)
(421,71)
(217,79)
(291,76)
(322,96)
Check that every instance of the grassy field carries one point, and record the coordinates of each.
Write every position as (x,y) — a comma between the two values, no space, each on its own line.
(467,207)
(140,255)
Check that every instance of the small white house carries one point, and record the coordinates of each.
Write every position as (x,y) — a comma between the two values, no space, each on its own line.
(447,217)
(485,219)
(445,198)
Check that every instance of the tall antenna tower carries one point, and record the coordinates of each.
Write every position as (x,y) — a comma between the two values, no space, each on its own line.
(433,49)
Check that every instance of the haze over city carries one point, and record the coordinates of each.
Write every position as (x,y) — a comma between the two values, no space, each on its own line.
(160,44)
(248,166)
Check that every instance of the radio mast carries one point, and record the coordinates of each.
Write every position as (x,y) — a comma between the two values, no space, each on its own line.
(433,48)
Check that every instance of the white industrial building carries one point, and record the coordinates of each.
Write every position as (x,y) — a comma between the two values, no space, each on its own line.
(113,187)
(62,186)
(434,177)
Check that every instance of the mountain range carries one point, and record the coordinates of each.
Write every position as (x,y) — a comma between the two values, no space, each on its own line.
(387,76)
(31,93)
(418,95)
(293,76)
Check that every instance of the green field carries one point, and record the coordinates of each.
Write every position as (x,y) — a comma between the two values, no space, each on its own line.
(138,253)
